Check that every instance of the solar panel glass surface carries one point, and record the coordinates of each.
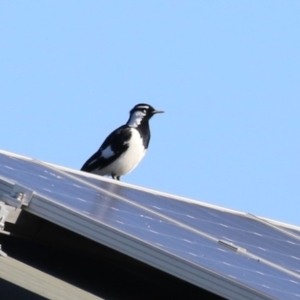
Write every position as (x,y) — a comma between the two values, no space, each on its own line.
(175,227)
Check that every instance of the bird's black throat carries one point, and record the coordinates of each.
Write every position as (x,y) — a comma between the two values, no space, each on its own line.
(144,131)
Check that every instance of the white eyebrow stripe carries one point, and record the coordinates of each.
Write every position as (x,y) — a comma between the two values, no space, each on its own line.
(143,107)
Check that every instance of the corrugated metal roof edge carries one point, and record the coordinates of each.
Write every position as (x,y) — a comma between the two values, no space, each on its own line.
(40,283)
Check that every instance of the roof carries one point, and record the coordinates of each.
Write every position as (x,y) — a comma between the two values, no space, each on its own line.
(39,283)
(232,254)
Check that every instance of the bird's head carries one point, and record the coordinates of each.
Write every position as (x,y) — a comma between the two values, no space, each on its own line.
(141,112)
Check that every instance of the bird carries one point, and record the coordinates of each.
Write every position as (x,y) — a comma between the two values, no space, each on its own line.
(125,147)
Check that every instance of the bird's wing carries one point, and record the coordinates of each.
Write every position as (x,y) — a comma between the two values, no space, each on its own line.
(113,146)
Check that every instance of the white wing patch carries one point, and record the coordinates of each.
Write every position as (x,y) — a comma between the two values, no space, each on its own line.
(107,152)
(91,162)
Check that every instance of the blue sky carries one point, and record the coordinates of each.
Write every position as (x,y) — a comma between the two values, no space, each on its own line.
(227,74)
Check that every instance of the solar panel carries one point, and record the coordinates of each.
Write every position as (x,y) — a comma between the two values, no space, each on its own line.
(259,239)
(227,253)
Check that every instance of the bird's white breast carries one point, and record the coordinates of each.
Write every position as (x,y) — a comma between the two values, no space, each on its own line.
(129,159)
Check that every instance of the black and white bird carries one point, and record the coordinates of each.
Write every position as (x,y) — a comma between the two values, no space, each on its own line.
(125,147)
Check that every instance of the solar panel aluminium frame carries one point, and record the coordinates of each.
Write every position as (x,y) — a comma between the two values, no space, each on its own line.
(47,209)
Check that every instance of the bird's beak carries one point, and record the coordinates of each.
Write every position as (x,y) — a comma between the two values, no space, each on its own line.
(158,111)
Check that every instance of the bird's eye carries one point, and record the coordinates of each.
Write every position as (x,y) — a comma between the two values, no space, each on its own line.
(144,111)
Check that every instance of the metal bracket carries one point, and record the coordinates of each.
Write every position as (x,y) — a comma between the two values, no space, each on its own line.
(2,253)
(19,196)
(231,246)
(3,215)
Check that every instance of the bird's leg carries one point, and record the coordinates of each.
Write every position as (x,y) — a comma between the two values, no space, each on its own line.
(115,177)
